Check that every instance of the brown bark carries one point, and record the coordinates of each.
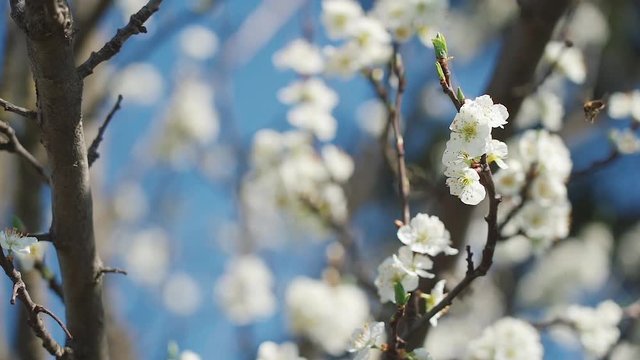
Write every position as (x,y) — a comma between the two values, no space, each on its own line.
(49,29)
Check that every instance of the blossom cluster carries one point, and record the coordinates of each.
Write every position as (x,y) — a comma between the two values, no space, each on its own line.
(622,106)
(324,313)
(596,327)
(542,160)
(470,140)
(14,242)
(424,236)
(508,338)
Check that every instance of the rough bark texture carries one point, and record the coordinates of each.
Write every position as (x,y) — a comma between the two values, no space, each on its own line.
(49,28)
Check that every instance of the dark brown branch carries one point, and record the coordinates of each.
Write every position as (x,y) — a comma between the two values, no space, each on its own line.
(13,145)
(29,114)
(20,293)
(596,165)
(523,47)
(113,46)
(394,117)
(486,179)
(109,270)
(92,153)
(42,237)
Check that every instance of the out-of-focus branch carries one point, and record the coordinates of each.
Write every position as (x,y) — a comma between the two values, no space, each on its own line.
(394,117)
(92,153)
(13,145)
(47,275)
(522,49)
(113,46)
(29,114)
(20,292)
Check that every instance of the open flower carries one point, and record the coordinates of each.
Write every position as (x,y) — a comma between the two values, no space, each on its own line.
(433,299)
(465,183)
(12,241)
(371,335)
(426,235)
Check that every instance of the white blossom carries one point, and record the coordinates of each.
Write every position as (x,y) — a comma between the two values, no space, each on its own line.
(509,181)
(245,290)
(338,16)
(338,162)
(147,256)
(312,91)
(622,105)
(508,338)
(326,314)
(371,335)
(269,350)
(497,152)
(465,183)
(14,242)
(434,298)
(189,355)
(139,83)
(426,235)
(198,42)
(181,294)
(317,120)
(543,107)
(568,60)
(421,354)
(301,57)
(597,327)
(626,141)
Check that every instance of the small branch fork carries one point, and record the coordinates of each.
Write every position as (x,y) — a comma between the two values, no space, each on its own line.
(112,47)
(13,145)
(493,235)
(20,292)
(29,114)
(109,270)
(92,153)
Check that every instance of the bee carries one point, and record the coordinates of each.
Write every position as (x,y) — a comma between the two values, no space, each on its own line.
(592,108)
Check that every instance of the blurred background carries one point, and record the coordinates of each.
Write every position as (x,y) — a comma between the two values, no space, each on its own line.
(178,205)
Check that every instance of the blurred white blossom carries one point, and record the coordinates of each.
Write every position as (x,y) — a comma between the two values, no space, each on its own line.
(596,327)
(198,42)
(508,338)
(301,57)
(624,104)
(542,107)
(181,294)
(269,350)
(139,83)
(625,141)
(567,59)
(189,355)
(370,336)
(325,314)
(147,256)
(339,15)
(245,290)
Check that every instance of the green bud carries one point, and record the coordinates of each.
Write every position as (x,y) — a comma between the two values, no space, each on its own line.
(440,46)
(401,296)
(460,95)
(440,71)
(18,224)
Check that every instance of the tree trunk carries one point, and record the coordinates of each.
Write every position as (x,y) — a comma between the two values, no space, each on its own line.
(49,28)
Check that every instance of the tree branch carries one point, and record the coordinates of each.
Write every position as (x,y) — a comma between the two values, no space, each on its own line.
(13,145)
(112,47)
(92,153)
(523,47)
(20,292)
(24,112)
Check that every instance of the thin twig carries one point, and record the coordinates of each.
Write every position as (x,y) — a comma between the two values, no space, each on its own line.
(446,84)
(13,145)
(486,179)
(394,117)
(42,237)
(29,114)
(112,47)
(92,153)
(109,270)
(35,322)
